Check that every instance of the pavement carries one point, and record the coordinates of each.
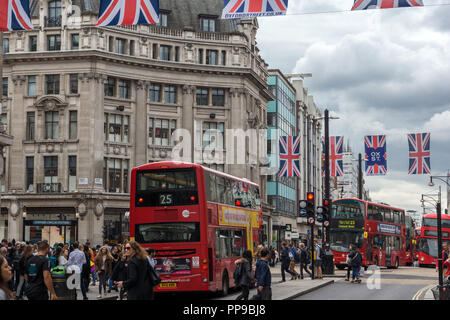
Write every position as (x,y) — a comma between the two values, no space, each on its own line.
(288,290)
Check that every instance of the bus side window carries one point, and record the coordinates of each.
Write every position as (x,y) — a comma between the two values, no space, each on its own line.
(257,198)
(379,214)
(220,183)
(211,187)
(227,196)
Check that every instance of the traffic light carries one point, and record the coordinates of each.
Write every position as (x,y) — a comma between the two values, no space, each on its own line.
(322,213)
(307,206)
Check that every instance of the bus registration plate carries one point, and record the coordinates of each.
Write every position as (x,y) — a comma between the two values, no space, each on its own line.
(168,285)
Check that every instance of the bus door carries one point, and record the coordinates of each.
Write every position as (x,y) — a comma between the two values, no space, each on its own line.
(369,250)
(388,249)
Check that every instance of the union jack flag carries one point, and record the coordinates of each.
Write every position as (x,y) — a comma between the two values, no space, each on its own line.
(253,8)
(289,156)
(376,156)
(15,15)
(385,4)
(128,12)
(336,156)
(419,153)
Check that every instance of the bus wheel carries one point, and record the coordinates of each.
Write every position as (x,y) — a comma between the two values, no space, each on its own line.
(225,285)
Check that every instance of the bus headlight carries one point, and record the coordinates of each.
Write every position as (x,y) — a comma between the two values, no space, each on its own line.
(421,259)
(205,280)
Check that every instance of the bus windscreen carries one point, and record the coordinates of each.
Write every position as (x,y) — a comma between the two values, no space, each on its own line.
(169,187)
(167,232)
(348,209)
(429,222)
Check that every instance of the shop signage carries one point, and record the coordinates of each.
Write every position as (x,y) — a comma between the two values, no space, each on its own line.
(50,222)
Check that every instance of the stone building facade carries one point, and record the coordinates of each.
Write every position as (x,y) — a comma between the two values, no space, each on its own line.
(85,105)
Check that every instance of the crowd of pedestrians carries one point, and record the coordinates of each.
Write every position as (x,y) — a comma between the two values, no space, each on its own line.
(126,268)
(255,270)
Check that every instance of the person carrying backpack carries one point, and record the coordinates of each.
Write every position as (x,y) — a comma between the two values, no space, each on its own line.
(304,260)
(292,254)
(285,262)
(243,274)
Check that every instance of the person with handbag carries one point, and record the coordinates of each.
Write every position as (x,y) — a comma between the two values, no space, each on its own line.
(348,261)
(138,284)
(120,272)
(355,263)
(243,274)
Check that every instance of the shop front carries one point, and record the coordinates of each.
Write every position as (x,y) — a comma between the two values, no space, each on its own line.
(56,225)
(116,225)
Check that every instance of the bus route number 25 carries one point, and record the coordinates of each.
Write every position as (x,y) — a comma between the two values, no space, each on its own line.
(165,199)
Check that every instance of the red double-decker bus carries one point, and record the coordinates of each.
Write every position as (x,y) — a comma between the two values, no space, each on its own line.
(427,245)
(378,230)
(198,220)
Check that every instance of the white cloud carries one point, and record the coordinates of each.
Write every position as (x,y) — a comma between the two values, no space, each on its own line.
(439,125)
(380,71)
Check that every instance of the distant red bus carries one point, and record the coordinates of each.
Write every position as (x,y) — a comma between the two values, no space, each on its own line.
(427,245)
(417,233)
(198,220)
(377,230)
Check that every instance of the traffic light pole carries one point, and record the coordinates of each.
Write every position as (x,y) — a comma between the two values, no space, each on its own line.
(312,251)
(325,237)
(360,182)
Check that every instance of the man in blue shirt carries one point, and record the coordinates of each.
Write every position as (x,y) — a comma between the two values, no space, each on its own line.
(263,277)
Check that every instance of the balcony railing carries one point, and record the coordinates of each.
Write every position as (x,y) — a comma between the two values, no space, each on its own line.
(49,188)
(53,21)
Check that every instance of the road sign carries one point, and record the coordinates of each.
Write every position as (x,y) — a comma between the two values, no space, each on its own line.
(311,220)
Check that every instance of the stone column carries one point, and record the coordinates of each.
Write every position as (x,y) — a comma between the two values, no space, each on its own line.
(140,114)
(188,114)
(91,136)
(17,165)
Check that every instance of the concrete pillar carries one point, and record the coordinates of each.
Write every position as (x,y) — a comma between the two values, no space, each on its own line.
(188,113)
(91,136)
(17,160)
(141,141)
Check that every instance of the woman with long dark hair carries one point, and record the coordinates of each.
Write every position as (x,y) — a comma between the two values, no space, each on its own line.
(138,283)
(5,276)
(27,252)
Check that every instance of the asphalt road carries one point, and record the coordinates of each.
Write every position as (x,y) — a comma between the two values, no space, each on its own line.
(384,284)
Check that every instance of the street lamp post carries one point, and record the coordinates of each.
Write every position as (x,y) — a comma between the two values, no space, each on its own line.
(439,233)
(24,217)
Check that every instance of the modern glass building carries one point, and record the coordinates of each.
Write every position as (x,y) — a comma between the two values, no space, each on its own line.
(281,120)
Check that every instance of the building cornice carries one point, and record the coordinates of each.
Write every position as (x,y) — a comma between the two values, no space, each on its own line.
(109,57)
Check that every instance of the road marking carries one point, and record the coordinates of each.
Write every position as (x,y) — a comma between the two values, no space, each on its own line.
(419,293)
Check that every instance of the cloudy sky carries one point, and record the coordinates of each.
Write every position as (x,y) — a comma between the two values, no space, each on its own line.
(381,71)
